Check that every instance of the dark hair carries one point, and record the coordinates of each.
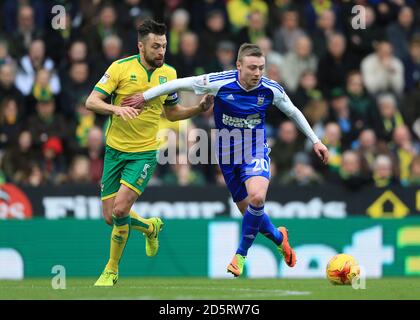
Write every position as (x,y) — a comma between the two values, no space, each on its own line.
(249,49)
(151,26)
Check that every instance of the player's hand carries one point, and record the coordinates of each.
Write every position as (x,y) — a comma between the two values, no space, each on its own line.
(126,113)
(206,103)
(321,151)
(136,101)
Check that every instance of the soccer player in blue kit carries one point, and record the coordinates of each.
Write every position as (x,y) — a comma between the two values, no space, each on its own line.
(241,98)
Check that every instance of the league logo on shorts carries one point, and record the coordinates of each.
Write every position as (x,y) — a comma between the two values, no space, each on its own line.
(260,100)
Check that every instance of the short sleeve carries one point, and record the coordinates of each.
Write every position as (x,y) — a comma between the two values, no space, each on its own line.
(109,81)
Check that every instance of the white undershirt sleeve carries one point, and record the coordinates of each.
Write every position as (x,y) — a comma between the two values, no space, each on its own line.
(183,84)
(283,102)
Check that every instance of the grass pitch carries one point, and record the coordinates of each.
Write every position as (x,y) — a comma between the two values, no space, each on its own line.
(211,289)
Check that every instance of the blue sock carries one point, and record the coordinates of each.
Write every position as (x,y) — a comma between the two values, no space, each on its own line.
(250,227)
(270,231)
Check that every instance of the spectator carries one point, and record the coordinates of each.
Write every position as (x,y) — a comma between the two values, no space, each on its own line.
(52,161)
(414,177)
(404,151)
(272,57)
(316,112)
(360,102)
(179,25)
(31,64)
(302,173)
(325,29)
(79,170)
(400,32)
(80,126)
(26,32)
(7,84)
(335,64)
(368,149)
(34,177)
(361,41)
(188,62)
(274,73)
(182,174)
(215,32)
(239,11)
(350,123)
(314,8)
(255,29)
(78,52)
(298,61)
(45,123)
(77,86)
(307,90)
(95,153)
(19,157)
(111,50)
(10,122)
(412,66)
(5,58)
(286,36)
(285,147)
(129,10)
(383,174)
(389,117)
(332,139)
(106,25)
(382,71)
(58,40)
(2,174)
(350,174)
(225,58)
(41,89)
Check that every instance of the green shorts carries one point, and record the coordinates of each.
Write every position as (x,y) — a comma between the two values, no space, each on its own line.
(132,169)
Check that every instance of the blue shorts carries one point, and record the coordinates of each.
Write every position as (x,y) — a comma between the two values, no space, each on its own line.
(236,174)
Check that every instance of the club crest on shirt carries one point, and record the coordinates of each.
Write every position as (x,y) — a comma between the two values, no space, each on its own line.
(105,78)
(162,79)
(260,100)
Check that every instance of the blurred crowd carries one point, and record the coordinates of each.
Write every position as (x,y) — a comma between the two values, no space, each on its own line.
(357,84)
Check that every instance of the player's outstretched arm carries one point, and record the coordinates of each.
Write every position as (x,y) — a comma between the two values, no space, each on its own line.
(138,100)
(95,102)
(178,112)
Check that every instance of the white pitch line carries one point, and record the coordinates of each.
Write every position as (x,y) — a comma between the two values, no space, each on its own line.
(248,290)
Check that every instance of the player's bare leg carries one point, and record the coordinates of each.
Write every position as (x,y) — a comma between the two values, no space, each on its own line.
(107,206)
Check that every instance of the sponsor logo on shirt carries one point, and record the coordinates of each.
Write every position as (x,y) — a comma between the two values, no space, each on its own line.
(249,122)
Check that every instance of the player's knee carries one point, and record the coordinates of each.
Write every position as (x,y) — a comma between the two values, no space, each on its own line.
(257,199)
(119,210)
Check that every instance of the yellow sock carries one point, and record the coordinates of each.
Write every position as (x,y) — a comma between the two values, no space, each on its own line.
(119,237)
(140,224)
